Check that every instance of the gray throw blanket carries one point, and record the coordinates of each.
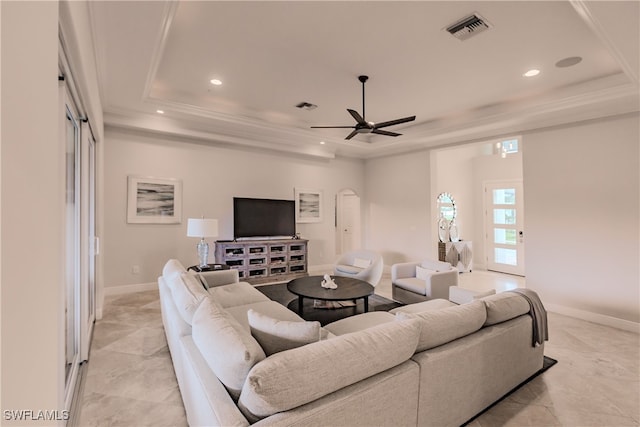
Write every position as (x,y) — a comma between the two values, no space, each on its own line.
(538,313)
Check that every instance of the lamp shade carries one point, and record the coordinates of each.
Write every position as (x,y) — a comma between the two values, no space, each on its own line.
(200,227)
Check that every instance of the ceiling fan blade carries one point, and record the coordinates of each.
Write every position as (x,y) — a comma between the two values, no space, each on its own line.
(394,122)
(385,132)
(358,117)
(332,127)
(352,134)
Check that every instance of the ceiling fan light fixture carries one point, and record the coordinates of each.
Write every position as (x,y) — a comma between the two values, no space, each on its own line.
(531,73)
(362,125)
(215,82)
(306,106)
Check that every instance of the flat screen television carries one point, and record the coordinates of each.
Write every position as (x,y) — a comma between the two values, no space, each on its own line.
(263,218)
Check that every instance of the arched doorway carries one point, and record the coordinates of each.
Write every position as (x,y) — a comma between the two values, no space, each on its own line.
(348,235)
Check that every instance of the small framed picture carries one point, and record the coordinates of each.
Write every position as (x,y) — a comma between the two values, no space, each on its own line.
(154,200)
(308,205)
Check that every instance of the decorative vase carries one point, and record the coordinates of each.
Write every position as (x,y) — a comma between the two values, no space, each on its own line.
(443,229)
(453,231)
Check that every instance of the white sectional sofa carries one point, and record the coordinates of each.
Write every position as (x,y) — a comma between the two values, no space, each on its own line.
(241,359)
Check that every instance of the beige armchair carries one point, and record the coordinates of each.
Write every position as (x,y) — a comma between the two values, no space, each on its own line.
(361,264)
(421,281)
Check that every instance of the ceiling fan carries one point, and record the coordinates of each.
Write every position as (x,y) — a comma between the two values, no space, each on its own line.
(363,126)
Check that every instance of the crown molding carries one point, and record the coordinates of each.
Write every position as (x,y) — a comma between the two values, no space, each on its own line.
(236,130)
(179,129)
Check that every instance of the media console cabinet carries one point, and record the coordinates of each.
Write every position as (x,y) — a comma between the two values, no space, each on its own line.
(262,261)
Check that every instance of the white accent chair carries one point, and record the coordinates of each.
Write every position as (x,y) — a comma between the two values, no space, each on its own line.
(360,264)
(413,282)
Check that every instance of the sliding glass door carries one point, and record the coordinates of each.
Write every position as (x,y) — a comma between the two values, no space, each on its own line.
(72,246)
(80,241)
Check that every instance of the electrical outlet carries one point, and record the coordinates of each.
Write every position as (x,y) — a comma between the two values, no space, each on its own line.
(135,269)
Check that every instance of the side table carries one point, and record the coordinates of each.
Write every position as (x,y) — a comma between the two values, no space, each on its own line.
(209,267)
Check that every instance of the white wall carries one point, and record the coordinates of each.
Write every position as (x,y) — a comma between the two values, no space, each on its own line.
(397,207)
(32,203)
(581,201)
(211,176)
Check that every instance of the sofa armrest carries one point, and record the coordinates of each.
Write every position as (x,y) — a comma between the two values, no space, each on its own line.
(403,270)
(220,277)
(439,282)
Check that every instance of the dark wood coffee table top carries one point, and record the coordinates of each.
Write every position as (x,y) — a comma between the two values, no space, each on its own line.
(348,288)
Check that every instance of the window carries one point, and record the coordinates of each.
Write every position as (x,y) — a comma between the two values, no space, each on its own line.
(507,146)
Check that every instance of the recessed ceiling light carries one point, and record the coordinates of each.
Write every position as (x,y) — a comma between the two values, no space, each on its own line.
(160,111)
(531,73)
(568,62)
(216,82)
(322,142)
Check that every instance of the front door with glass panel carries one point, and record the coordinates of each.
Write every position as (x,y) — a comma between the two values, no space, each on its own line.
(504,227)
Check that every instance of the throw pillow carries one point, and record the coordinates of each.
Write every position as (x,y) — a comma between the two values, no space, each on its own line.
(361,263)
(228,348)
(436,265)
(188,293)
(275,335)
(423,273)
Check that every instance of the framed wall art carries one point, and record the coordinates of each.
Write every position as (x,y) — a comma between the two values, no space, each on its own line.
(154,200)
(308,205)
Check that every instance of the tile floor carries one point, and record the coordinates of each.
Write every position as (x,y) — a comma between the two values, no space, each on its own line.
(130,379)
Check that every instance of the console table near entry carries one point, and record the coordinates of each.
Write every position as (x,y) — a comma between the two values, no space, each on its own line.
(458,254)
(262,261)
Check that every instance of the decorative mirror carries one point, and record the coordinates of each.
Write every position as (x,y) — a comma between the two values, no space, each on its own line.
(446,206)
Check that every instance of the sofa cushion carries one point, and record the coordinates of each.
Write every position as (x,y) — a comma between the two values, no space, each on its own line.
(413,284)
(276,335)
(173,266)
(504,306)
(270,308)
(359,322)
(436,265)
(419,307)
(229,350)
(301,375)
(348,269)
(462,295)
(187,292)
(239,293)
(220,277)
(447,324)
(361,262)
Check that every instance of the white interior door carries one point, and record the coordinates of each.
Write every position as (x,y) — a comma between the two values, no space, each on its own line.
(348,221)
(504,227)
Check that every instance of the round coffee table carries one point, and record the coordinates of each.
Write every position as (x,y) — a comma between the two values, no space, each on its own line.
(348,289)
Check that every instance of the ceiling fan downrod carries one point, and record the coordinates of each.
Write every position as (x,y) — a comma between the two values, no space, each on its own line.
(363,80)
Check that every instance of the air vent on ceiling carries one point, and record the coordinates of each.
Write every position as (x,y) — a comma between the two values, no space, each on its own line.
(468,26)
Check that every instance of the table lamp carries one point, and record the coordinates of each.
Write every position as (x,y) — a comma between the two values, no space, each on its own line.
(200,227)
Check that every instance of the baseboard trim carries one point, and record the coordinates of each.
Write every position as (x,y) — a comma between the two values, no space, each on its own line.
(600,319)
(128,289)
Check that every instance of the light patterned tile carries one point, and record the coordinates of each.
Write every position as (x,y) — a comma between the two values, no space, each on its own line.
(131,382)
